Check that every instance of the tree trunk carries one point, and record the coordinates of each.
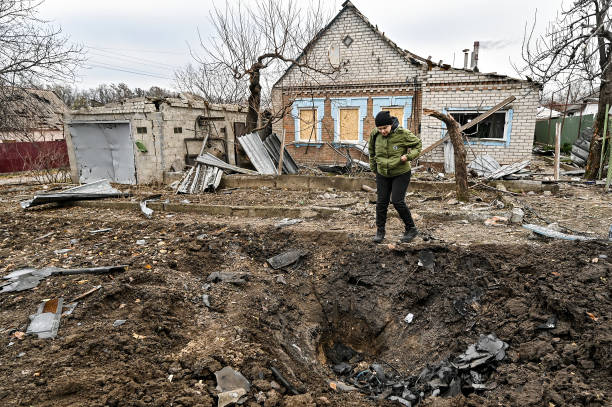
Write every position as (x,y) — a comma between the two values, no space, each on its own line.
(605,97)
(254,101)
(452,126)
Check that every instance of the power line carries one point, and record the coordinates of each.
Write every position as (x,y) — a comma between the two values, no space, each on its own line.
(128,71)
(124,56)
(138,50)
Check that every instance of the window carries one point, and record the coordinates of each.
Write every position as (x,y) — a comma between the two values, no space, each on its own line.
(308,123)
(347,41)
(178,130)
(349,125)
(141,130)
(493,127)
(396,111)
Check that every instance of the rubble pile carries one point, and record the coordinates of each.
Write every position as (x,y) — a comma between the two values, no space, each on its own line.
(463,374)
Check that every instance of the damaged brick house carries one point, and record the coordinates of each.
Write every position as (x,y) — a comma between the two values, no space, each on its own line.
(376,74)
(144,140)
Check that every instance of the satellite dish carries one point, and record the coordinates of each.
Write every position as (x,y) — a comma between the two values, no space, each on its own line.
(334,55)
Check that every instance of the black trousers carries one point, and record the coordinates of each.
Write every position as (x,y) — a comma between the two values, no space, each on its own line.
(394,188)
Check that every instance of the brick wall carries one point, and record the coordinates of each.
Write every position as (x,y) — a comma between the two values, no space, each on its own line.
(376,68)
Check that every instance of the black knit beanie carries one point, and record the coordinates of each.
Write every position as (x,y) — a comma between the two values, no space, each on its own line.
(383,118)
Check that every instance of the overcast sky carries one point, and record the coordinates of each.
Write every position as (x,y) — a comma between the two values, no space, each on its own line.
(141,42)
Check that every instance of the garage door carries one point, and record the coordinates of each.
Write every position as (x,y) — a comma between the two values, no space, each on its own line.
(104,150)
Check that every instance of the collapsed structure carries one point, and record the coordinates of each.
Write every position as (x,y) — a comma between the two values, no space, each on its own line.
(142,140)
(372,73)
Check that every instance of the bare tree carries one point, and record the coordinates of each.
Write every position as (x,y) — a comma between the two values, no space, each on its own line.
(215,85)
(576,47)
(32,51)
(258,43)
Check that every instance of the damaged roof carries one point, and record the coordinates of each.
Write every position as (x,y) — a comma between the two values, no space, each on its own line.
(184,100)
(408,55)
(42,107)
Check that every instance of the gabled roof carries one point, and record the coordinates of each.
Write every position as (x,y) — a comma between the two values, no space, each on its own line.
(409,56)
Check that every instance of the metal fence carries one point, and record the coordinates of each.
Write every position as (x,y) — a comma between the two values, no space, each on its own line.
(21,156)
(545,129)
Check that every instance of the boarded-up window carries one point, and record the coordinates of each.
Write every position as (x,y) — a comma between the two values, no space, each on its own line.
(308,125)
(397,112)
(349,125)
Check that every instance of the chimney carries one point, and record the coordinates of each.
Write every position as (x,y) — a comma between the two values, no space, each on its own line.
(466,53)
(475,56)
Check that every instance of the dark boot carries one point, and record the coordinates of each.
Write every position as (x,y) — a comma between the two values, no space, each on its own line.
(380,235)
(409,235)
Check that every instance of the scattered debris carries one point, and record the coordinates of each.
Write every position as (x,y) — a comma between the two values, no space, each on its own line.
(548,232)
(141,242)
(257,153)
(426,259)
(408,319)
(273,144)
(284,381)
(286,259)
(200,178)
(484,165)
(94,190)
(487,167)
(61,251)
(231,397)
(281,279)
(287,222)
(229,379)
(368,188)
(45,323)
(466,372)
(496,221)
(148,212)
(517,215)
(228,277)
(27,278)
(206,300)
(87,293)
(119,322)
(211,160)
(551,323)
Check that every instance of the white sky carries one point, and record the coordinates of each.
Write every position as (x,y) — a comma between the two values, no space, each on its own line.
(142,42)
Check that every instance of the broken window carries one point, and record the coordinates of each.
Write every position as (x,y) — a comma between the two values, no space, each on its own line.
(307,123)
(141,130)
(178,130)
(493,127)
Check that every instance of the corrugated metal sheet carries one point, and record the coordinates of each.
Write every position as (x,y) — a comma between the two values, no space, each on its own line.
(255,149)
(200,178)
(273,144)
(94,190)
(211,160)
(484,165)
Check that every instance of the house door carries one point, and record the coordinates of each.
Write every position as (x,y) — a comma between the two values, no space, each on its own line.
(104,151)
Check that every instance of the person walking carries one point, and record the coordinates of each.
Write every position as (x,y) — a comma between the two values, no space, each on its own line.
(391,149)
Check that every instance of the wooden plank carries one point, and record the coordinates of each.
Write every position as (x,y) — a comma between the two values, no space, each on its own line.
(308,121)
(349,125)
(558,127)
(474,122)
(397,112)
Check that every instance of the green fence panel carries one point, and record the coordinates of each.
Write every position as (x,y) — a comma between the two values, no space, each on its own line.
(545,129)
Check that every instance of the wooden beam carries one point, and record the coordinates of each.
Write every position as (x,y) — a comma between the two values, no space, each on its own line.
(466,126)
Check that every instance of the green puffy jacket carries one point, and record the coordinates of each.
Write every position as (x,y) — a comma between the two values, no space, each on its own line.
(385,154)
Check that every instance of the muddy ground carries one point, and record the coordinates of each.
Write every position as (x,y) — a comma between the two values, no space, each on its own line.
(345,290)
